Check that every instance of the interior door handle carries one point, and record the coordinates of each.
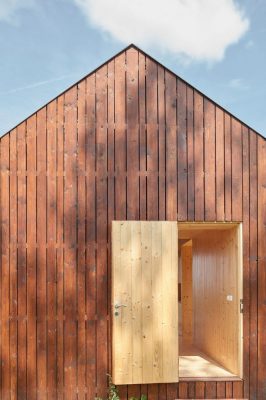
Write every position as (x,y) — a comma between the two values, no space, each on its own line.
(119,305)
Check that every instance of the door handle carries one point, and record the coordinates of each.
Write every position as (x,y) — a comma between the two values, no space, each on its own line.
(119,305)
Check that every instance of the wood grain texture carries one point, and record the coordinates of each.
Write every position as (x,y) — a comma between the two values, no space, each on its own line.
(144,281)
(216,274)
(132,141)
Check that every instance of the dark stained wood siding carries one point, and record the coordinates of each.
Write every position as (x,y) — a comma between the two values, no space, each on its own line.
(130,141)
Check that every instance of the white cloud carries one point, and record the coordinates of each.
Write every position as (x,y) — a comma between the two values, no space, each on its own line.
(8,8)
(195,29)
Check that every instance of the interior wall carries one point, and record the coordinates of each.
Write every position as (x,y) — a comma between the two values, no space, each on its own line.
(216,296)
(186,293)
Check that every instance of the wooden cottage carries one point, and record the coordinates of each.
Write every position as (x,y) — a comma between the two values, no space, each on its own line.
(133,242)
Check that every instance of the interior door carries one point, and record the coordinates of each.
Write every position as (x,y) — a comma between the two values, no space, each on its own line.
(144,302)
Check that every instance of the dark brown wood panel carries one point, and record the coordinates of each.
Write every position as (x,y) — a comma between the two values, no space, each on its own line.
(41,255)
(246,264)
(253,257)
(31,258)
(13,266)
(130,141)
(261,267)
(5,273)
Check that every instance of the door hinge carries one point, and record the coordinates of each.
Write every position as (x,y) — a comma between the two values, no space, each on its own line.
(241,306)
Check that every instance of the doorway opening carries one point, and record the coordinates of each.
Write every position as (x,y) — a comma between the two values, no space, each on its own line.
(210,300)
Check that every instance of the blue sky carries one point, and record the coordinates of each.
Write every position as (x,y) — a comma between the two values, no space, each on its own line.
(46,46)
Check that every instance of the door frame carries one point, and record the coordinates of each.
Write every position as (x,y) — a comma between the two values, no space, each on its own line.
(239,227)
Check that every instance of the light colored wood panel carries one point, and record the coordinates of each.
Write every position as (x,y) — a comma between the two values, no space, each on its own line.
(137,366)
(116,290)
(186,299)
(157,298)
(125,299)
(170,302)
(144,282)
(146,289)
(217,275)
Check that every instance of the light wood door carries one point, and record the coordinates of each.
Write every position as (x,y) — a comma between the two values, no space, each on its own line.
(144,302)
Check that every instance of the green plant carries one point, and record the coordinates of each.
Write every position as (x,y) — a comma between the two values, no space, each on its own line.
(142,397)
(112,393)
(112,389)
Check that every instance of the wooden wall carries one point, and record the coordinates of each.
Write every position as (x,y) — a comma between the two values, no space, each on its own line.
(216,274)
(186,314)
(130,141)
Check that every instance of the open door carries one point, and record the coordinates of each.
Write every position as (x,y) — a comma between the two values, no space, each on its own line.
(144,302)
(211,318)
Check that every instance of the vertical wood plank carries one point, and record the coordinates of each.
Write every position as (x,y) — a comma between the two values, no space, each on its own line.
(153,392)
(51,248)
(219,158)
(120,137)
(183,390)
(227,167)
(31,258)
(191,390)
(91,237)
(142,138)
(190,155)
(134,391)
(172,391)
(200,390)
(152,139)
(70,241)
(171,150)
(220,390)
(162,141)
(199,167)
(132,134)
(41,256)
(246,271)
(209,161)
(60,250)
(182,150)
(111,200)
(170,301)
(146,303)
(228,390)
(5,265)
(137,367)
(237,191)
(101,228)
(13,266)
(162,391)
(22,266)
(238,390)
(117,369)
(253,256)
(261,267)
(157,301)
(81,237)
(210,390)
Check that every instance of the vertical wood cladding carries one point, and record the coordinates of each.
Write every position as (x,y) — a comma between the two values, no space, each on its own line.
(129,141)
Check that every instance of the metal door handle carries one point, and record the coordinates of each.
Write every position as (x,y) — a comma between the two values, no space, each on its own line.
(119,305)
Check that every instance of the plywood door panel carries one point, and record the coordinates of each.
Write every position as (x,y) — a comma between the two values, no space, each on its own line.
(144,282)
